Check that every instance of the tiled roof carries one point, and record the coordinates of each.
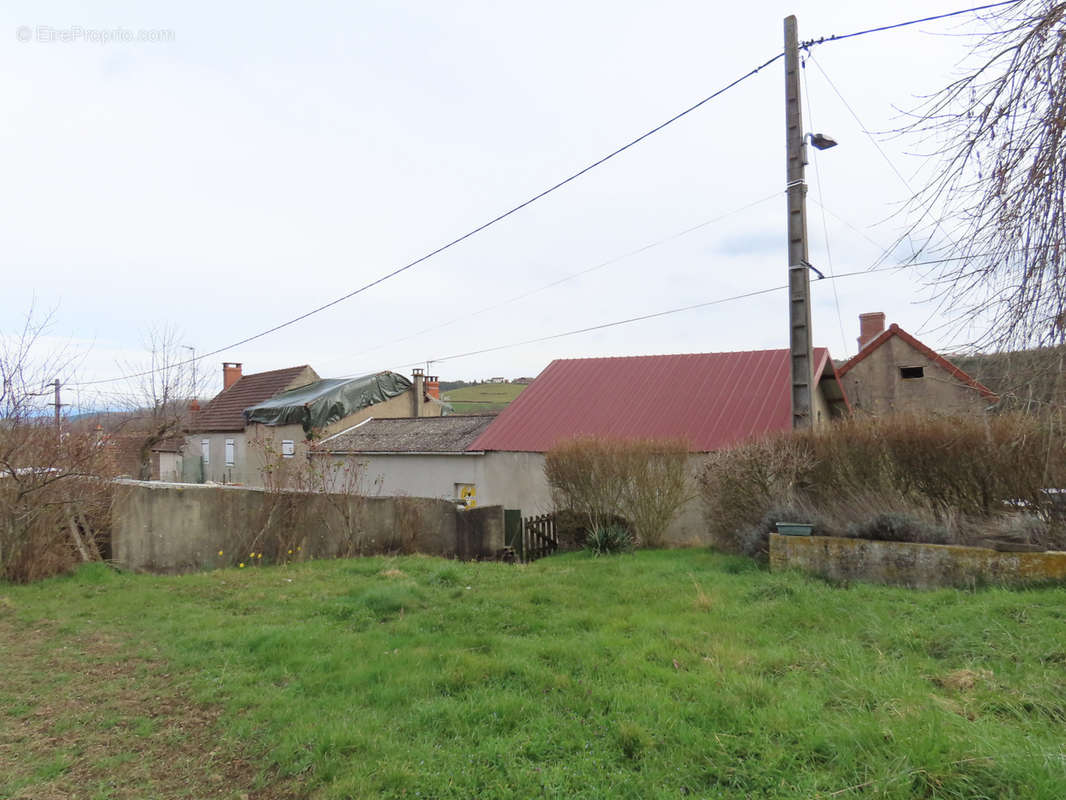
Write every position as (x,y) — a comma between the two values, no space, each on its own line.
(226,411)
(410,435)
(710,399)
(928,352)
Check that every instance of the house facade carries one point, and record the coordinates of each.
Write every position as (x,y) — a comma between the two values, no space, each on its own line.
(893,371)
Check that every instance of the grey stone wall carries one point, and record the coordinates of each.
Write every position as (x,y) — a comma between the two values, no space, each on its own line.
(175,528)
(922,566)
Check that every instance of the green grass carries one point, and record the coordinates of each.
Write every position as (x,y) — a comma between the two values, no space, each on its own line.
(485,398)
(657,674)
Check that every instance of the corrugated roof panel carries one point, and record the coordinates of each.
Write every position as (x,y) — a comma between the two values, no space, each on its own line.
(711,399)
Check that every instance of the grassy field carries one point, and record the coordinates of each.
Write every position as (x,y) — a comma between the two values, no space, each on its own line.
(485,398)
(657,674)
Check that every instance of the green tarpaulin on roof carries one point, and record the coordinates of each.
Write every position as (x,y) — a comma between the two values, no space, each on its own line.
(324,402)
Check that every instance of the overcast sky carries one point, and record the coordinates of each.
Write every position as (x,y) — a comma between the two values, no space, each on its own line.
(258,162)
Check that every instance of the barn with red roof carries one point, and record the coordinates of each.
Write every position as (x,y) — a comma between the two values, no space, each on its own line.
(711,400)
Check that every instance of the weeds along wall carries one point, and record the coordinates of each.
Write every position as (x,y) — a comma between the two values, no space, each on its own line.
(174,528)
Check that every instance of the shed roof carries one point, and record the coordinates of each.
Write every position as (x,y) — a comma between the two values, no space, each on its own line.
(712,400)
(226,411)
(409,435)
(925,350)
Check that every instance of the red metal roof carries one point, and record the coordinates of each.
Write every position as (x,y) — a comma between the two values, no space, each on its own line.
(711,399)
(925,350)
(226,411)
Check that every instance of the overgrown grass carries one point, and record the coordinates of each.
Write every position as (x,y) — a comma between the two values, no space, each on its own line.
(657,674)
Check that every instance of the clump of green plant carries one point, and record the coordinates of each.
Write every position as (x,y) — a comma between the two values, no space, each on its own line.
(605,540)
(899,527)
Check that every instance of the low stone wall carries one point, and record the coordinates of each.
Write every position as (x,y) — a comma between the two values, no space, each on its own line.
(174,528)
(922,566)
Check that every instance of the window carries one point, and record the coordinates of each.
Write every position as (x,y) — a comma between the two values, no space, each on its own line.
(205,450)
(908,373)
(231,452)
(288,448)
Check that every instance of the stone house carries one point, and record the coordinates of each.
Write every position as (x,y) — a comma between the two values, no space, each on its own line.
(269,417)
(893,371)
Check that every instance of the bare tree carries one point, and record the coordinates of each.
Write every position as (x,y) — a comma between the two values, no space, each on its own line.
(53,496)
(995,204)
(165,384)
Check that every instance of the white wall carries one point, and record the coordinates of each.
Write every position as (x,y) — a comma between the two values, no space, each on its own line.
(511,480)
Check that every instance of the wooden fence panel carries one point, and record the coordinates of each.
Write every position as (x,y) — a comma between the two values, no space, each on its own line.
(539,538)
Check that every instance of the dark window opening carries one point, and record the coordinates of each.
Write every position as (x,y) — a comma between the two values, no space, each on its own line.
(912,372)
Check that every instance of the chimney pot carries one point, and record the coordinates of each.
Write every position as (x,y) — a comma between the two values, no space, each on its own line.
(231,373)
(871,325)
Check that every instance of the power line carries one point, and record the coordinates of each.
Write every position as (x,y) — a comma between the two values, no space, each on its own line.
(806,45)
(825,224)
(668,312)
(468,234)
(558,282)
(862,127)
(837,38)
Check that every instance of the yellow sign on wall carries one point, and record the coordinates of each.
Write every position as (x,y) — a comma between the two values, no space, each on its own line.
(466,495)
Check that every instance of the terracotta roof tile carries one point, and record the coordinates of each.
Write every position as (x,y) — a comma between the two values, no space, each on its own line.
(226,411)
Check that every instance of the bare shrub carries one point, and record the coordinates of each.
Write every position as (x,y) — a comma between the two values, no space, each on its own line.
(643,482)
(950,476)
(407,524)
(338,490)
(587,476)
(741,485)
(54,490)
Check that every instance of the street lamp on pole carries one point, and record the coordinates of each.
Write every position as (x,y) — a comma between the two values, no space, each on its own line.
(192,349)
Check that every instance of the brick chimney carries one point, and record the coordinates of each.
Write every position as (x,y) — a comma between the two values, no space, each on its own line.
(418,378)
(433,386)
(231,373)
(871,326)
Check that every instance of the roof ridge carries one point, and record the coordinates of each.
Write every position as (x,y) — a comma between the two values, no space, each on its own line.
(269,372)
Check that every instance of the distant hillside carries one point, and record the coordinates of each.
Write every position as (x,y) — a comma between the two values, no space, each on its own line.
(1029,379)
(484,398)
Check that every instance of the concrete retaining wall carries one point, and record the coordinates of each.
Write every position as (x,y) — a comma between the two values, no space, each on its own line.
(923,566)
(173,528)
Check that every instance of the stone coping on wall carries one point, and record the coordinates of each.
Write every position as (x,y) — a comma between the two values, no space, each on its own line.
(922,566)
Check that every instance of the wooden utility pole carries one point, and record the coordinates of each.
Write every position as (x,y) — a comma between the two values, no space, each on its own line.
(801,356)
